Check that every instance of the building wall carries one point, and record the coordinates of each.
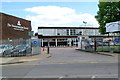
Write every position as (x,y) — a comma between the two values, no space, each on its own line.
(69,31)
(66,32)
(0,26)
(10,32)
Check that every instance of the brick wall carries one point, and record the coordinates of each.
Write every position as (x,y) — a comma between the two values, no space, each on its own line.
(10,32)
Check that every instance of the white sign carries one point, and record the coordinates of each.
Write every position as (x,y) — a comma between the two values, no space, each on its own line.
(15,27)
(19,23)
(113,26)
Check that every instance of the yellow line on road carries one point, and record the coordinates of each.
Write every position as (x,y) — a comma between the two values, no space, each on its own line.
(54,63)
(19,64)
(28,59)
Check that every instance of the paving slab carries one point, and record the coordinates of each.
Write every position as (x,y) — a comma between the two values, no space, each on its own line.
(14,60)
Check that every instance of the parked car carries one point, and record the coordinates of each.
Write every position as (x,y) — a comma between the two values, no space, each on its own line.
(5,49)
(21,50)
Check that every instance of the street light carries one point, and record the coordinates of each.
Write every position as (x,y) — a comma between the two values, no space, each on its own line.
(85,23)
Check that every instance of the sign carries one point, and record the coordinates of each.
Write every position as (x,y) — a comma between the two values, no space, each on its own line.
(117,40)
(113,26)
(85,32)
(35,42)
(17,27)
(19,23)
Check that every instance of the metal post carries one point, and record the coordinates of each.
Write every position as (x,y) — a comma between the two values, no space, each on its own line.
(95,45)
(76,42)
(42,42)
(48,51)
(113,41)
(108,42)
(81,43)
(119,40)
(56,42)
(102,44)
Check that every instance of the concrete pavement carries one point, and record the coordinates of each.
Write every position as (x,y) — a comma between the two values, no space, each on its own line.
(15,60)
(61,58)
(43,55)
(108,53)
(103,53)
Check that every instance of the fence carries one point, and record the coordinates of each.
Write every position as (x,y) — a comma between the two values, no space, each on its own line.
(100,44)
(19,47)
(109,45)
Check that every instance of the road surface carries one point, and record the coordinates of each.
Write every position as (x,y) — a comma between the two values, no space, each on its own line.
(65,63)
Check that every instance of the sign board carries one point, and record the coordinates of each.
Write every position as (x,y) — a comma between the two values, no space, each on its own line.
(85,32)
(117,39)
(35,42)
(113,26)
(17,27)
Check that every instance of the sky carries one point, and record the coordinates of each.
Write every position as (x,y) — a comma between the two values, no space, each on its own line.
(54,14)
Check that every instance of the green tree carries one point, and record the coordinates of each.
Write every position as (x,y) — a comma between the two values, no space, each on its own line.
(108,12)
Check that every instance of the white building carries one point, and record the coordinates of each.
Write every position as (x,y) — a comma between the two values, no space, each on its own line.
(63,36)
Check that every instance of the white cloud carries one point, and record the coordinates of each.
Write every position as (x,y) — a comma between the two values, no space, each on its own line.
(58,16)
(51,10)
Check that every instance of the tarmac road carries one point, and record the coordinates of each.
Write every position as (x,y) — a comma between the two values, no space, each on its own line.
(65,63)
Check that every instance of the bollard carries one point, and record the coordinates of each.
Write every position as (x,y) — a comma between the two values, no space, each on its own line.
(43,49)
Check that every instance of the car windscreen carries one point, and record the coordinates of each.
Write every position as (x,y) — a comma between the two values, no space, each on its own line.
(2,46)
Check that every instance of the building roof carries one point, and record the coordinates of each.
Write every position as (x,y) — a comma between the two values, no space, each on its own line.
(1,13)
(101,36)
(49,37)
(68,28)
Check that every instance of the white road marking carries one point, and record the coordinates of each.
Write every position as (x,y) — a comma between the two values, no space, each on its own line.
(93,77)
(60,77)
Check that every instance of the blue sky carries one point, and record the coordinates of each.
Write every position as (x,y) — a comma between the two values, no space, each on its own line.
(17,8)
(36,10)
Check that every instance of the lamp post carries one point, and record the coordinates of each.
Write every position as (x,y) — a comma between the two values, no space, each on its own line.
(85,27)
(85,23)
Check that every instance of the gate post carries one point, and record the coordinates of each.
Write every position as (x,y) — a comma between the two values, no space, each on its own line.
(95,45)
(48,51)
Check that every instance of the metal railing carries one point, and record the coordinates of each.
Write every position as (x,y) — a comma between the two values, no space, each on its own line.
(100,45)
(19,47)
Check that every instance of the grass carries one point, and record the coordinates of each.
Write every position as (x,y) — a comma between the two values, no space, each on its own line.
(107,48)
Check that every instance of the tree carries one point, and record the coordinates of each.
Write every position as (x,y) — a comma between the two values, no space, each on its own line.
(109,11)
